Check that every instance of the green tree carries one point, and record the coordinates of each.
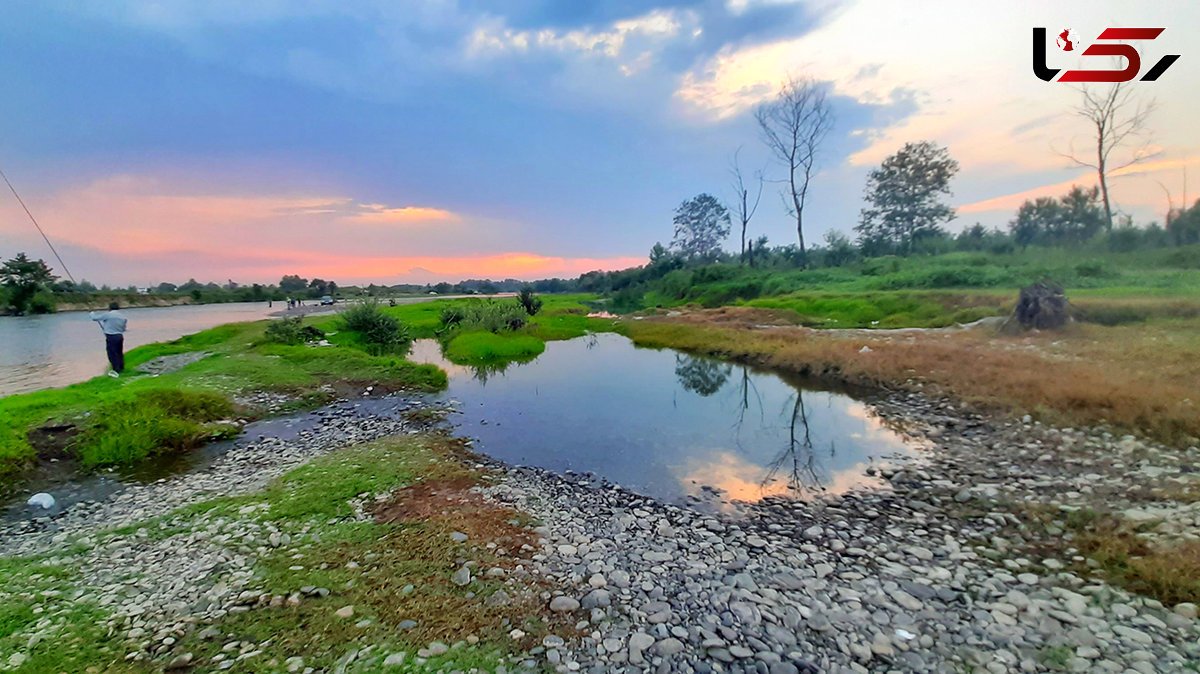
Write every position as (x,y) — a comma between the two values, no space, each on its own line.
(292,284)
(1072,218)
(24,278)
(701,224)
(905,193)
(838,249)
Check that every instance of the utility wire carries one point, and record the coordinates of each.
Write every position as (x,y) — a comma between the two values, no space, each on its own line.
(39,227)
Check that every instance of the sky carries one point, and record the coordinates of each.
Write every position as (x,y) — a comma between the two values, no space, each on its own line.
(399,142)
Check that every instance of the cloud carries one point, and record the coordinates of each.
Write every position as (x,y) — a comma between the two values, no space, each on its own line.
(125,228)
(954,68)
(382,214)
(1138,186)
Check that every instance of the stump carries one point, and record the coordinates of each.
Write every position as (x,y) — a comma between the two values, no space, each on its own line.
(1041,306)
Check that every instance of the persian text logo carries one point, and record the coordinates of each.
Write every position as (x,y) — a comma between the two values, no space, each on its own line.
(1105,45)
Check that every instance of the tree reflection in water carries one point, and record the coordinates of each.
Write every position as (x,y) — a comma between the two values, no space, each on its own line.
(798,458)
(701,375)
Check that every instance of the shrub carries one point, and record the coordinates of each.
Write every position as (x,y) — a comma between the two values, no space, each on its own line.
(453,315)
(380,333)
(531,303)
(492,316)
(153,422)
(290,331)
(1092,269)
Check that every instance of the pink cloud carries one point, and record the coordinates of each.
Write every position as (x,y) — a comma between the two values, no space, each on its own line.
(130,228)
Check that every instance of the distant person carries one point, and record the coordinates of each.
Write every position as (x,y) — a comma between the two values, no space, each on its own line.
(113,322)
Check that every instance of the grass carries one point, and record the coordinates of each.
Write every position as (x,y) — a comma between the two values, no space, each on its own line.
(1167,572)
(370,523)
(474,348)
(1144,379)
(34,591)
(122,420)
(370,564)
(131,429)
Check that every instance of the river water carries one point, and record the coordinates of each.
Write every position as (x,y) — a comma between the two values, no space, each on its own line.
(661,423)
(666,424)
(58,349)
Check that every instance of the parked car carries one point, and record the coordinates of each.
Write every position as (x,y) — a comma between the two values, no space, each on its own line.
(326,300)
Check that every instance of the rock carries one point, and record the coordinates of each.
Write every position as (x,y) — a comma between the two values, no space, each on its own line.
(668,646)
(597,598)
(41,500)
(345,612)
(1185,609)
(458,537)
(552,641)
(295,664)
(564,604)
(498,598)
(462,576)
(16,660)
(740,652)
(395,659)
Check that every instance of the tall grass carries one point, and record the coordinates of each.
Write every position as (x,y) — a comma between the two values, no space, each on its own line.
(378,331)
(152,422)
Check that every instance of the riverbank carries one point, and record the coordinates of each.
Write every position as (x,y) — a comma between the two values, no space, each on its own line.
(374,543)
(1009,544)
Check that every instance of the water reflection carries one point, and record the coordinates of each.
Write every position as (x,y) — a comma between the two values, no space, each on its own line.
(701,375)
(668,424)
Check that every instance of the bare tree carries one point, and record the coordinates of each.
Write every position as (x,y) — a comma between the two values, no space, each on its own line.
(1119,119)
(742,207)
(793,126)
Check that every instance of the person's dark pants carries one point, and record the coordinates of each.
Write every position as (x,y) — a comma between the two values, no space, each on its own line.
(115,345)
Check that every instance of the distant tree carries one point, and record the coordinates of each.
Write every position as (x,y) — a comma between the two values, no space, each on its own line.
(292,284)
(904,196)
(86,286)
(701,224)
(443,288)
(744,208)
(838,249)
(1033,219)
(758,251)
(1072,218)
(1183,225)
(1118,118)
(24,278)
(793,125)
(165,288)
(191,285)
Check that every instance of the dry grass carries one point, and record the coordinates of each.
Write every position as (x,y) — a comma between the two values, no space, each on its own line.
(395,567)
(1144,378)
(1168,572)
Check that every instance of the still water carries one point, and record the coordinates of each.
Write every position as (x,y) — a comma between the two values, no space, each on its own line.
(59,349)
(666,424)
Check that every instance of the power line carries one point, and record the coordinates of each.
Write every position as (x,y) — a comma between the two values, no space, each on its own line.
(39,227)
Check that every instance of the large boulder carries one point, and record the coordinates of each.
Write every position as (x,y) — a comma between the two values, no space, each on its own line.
(1041,306)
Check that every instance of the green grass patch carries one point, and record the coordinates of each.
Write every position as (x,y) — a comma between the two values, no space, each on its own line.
(134,417)
(390,570)
(471,348)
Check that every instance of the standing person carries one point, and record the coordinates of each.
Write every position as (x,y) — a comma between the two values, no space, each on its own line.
(113,322)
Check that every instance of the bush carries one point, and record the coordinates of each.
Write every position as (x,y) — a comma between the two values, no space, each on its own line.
(491,316)
(379,332)
(290,331)
(1092,269)
(453,315)
(153,422)
(531,303)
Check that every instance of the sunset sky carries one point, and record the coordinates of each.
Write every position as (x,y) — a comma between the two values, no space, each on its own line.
(419,141)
